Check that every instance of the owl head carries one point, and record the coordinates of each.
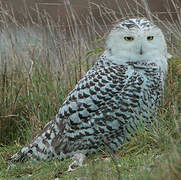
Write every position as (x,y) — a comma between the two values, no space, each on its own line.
(136,40)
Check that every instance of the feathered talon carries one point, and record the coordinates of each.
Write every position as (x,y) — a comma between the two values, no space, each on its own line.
(78,158)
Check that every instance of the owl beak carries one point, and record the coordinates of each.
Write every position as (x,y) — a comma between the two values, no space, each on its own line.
(141,51)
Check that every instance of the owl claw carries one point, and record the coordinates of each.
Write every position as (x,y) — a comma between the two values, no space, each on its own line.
(78,158)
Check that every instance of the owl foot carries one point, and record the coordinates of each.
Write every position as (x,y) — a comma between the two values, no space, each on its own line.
(78,158)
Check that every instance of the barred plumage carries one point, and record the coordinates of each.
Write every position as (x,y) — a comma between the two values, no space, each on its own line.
(119,93)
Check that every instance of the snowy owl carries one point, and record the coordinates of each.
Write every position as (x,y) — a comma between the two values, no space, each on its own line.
(118,94)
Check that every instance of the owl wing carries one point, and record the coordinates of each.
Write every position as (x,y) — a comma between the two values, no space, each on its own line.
(90,96)
(93,93)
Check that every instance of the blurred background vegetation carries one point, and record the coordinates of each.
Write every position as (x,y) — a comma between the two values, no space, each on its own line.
(47,46)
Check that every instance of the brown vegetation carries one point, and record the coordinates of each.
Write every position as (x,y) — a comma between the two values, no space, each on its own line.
(59,9)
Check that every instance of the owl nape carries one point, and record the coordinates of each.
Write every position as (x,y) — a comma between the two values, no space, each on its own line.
(122,90)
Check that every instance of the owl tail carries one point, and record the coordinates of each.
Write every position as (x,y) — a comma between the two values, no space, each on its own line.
(21,155)
(42,146)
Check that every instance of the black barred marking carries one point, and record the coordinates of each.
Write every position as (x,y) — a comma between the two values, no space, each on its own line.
(95,131)
(74,123)
(80,109)
(97,88)
(119,88)
(80,96)
(109,128)
(96,102)
(87,133)
(47,135)
(83,86)
(106,98)
(113,85)
(87,85)
(85,95)
(86,105)
(124,116)
(104,81)
(99,76)
(95,80)
(101,129)
(71,111)
(136,101)
(99,122)
(66,113)
(92,83)
(109,78)
(78,88)
(92,92)
(73,98)
(143,24)
(81,116)
(91,110)
(101,84)
(113,76)
(103,93)
(134,96)
(101,97)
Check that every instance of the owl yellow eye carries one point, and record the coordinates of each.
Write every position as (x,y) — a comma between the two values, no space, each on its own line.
(128,38)
(150,38)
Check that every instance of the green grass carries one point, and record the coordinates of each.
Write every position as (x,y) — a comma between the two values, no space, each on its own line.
(154,153)
(31,94)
